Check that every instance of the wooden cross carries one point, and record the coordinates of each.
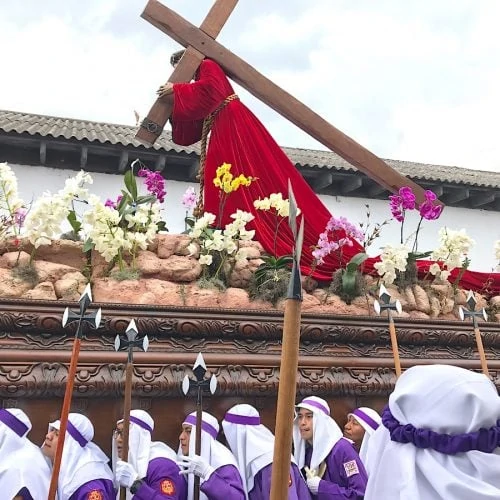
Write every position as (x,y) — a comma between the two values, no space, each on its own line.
(200,43)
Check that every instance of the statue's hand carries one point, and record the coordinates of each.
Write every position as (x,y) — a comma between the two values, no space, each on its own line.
(166,89)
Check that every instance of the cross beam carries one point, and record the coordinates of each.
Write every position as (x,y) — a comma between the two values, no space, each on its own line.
(264,89)
(158,115)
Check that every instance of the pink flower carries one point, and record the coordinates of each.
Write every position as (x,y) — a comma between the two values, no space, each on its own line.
(155,183)
(189,198)
(428,210)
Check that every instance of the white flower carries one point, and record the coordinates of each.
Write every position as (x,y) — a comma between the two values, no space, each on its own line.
(453,249)
(192,249)
(206,260)
(392,258)
(434,269)
(497,250)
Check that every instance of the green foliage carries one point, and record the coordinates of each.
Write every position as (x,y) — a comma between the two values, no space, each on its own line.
(270,285)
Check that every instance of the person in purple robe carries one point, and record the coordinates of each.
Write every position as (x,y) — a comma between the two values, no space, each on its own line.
(253,446)
(24,473)
(360,426)
(84,473)
(331,464)
(220,478)
(151,472)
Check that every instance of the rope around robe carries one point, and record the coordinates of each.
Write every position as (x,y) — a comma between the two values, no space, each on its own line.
(207,125)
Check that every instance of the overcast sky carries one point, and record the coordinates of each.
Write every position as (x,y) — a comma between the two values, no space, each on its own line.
(414,80)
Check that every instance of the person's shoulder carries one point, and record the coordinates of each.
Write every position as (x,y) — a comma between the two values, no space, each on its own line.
(344,445)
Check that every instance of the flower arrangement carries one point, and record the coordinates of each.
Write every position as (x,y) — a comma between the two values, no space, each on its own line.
(398,262)
(220,248)
(452,252)
(346,281)
(119,229)
(270,280)
(12,209)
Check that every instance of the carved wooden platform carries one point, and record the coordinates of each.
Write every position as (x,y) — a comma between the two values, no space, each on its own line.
(345,359)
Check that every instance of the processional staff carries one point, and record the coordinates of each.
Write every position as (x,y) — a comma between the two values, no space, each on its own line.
(385,304)
(93,319)
(289,364)
(201,384)
(131,341)
(474,315)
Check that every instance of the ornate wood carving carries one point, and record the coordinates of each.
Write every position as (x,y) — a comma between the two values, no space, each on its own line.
(340,355)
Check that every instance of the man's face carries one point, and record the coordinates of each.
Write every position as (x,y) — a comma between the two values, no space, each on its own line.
(353,430)
(50,444)
(305,422)
(118,437)
(184,438)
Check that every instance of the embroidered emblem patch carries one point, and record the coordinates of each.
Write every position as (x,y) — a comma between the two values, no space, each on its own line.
(289,480)
(351,468)
(94,495)
(167,487)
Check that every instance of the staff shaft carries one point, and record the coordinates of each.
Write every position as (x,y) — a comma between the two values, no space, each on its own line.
(394,345)
(286,400)
(480,348)
(64,418)
(127,405)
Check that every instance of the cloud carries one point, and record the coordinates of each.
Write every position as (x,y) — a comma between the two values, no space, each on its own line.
(409,80)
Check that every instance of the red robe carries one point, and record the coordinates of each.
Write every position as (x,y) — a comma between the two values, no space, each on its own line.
(239,138)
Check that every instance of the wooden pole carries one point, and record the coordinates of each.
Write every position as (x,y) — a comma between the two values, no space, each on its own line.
(480,348)
(197,444)
(126,419)
(70,382)
(394,344)
(286,400)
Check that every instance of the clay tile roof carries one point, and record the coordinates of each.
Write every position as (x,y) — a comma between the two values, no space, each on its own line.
(68,128)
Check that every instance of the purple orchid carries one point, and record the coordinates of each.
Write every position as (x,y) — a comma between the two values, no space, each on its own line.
(155,183)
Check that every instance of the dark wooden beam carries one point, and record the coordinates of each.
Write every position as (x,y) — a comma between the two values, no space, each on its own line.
(320,181)
(482,199)
(84,152)
(122,165)
(352,184)
(43,152)
(375,190)
(456,196)
(193,169)
(160,163)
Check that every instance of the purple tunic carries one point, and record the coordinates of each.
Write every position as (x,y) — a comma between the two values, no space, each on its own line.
(261,490)
(162,481)
(345,476)
(103,486)
(224,484)
(24,494)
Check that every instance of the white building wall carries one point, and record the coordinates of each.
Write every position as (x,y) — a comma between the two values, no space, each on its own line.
(483,226)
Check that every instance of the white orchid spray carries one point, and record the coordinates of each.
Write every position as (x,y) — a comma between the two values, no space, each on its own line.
(452,252)
(219,247)
(12,208)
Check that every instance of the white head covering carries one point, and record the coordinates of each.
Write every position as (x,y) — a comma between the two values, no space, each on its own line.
(446,400)
(22,464)
(141,449)
(251,442)
(82,460)
(370,420)
(326,433)
(215,453)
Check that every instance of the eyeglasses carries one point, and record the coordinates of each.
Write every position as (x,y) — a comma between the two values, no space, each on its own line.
(117,433)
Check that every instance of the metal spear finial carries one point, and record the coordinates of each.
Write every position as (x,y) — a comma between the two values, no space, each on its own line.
(385,304)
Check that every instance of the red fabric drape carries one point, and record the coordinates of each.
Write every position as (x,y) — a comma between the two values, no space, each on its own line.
(239,138)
